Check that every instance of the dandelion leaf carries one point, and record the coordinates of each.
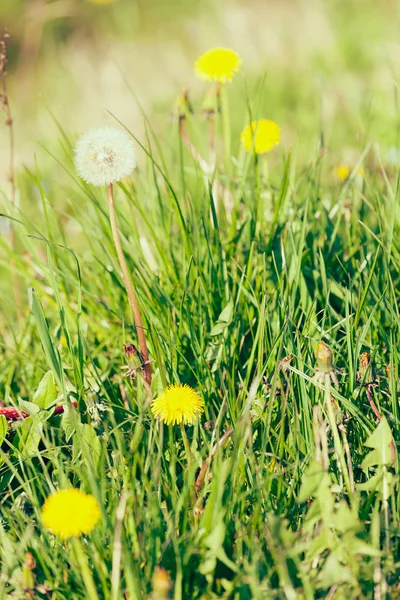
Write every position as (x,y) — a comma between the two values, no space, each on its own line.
(313,481)
(379,441)
(334,573)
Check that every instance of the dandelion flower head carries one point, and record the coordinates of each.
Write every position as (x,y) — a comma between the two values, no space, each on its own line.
(177,404)
(218,64)
(263,135)
(104,156)
(69,513)
(343,172)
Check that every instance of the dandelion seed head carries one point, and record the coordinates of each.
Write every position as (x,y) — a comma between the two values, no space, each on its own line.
(70,513)
(178,404)
(104,156)
(261,135)
(217,64)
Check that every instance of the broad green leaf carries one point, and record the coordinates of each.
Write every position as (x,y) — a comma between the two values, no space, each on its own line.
(227,313)
(29,436)
(380,441)
(46,393)
(91,445)
(358,546)
(380,482)
(325,540)
(51,352)
(223,320)
(333,573)
(3,428)
(28,407)
(156,383)
(344,519)
(69,421)
(218,328)
(312,480)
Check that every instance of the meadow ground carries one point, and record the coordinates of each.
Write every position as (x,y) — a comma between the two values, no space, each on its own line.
(268,282)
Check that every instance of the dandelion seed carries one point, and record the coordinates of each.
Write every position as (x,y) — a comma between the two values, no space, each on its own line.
(69,513)
(218,64)
(263,135)
(178,404)
(104,156)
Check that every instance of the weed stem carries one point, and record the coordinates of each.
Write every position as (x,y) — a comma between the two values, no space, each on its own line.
(133,301)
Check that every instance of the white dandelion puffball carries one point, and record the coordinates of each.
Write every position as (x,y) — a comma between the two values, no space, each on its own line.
(104,156)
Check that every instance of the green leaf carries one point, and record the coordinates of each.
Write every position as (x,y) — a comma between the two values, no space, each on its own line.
(333,573)
(224,319)
(358,546)
(218,329)
(28,407)
(325,540)
(312,480)
(69,421)
(3,428)
(345,519)
(90,443)
(156,383)
(46,393)
(380,440)
(380,482)
(51,352)
(29,436)
(227,313)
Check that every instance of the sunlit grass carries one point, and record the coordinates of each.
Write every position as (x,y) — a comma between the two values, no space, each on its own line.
(263,281)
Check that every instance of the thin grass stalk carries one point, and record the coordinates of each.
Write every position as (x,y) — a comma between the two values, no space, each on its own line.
(133,301)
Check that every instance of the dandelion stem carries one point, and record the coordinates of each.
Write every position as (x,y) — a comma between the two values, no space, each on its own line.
(336,440)
(133,301)
(185,442)
(84,567)
(226,125)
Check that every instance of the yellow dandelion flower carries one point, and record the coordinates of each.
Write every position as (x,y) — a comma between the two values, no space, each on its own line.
(218,64)
(69,513)
(177,404)
(343,172)
(264,134)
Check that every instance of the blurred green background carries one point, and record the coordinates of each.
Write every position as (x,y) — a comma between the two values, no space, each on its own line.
(329,64)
